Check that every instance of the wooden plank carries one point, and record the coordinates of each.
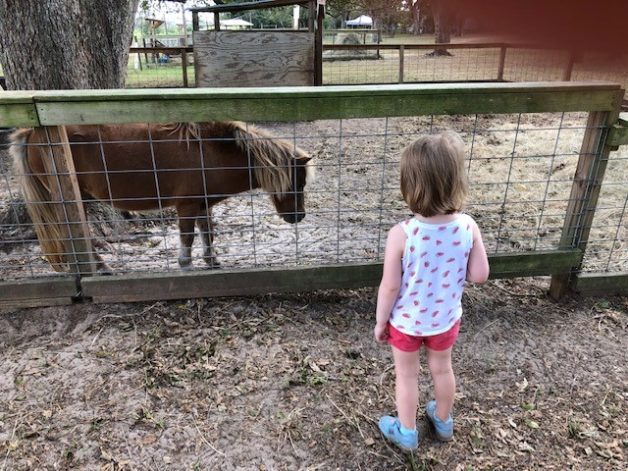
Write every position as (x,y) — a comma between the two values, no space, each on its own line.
(401,63)
(618,134)
(569,66)
(502,62)
(318,44)
(184,68)
(161,50)
(88,95)
(17,109)
(38,288)
(39,292)
(602,284)
(585,191)
(64,190)
(234,59)
(311,103)
(182,285)
(246,6)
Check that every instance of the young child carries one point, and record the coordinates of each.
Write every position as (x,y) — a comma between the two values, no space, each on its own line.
(427,260)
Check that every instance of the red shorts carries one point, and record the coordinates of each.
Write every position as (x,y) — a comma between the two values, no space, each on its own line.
(410,343)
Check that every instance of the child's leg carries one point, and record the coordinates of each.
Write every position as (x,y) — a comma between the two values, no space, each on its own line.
(439,363)
(406,386)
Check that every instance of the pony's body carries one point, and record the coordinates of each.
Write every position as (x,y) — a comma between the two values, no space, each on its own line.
(142,167)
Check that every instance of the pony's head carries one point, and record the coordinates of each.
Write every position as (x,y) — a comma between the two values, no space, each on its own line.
(290,204)
(280,168)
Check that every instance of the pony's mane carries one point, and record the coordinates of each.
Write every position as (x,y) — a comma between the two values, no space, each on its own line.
(273,158)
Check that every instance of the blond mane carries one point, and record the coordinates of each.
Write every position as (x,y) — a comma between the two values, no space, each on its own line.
(273,157)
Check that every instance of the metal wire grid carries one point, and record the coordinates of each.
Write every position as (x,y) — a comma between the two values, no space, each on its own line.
(419,66)
(146,71)
(520,168)
(607,249)
(602,67)
(524,64)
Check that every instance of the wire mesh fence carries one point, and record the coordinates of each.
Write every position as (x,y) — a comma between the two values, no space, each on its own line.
(160,68)
(464,63)
(521,169)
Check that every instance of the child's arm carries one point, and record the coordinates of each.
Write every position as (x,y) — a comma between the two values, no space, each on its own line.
(477,267)
(391,280)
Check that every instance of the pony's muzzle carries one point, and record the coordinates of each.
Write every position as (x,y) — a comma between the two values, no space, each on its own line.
(293,218)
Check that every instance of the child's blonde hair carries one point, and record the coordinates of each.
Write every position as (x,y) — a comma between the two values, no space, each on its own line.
(433,177)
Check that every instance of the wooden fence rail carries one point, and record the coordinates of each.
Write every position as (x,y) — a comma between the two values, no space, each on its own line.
(288,104)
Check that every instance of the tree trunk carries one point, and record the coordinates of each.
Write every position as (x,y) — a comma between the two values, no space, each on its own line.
(65,44)
(442,26)
(416,17)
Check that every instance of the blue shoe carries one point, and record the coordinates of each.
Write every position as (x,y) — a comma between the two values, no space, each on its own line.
(389,426)
(444,428)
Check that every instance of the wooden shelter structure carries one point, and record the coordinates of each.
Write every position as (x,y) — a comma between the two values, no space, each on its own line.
(259,57)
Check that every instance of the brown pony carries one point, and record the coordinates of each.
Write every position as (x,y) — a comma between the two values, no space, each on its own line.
(140,167)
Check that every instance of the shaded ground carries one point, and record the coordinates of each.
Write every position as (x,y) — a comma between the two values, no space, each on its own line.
(296,382)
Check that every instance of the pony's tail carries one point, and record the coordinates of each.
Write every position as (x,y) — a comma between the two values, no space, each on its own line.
(37,199)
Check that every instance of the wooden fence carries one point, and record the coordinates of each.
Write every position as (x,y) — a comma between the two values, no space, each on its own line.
(56,109)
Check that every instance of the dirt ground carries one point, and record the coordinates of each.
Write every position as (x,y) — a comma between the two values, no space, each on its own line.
(297,382)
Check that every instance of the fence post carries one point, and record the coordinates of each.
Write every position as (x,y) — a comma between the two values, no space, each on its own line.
(502,61)
(66,195)
(569,67)
(585,190)
(401,54)
(184,66)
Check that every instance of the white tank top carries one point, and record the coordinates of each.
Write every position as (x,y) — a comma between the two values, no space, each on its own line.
(434,269)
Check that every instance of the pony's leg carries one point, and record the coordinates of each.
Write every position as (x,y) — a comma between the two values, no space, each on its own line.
(206,226)
(101,266)
(187,215)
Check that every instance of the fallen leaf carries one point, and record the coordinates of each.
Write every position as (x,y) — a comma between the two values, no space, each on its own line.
(148,439)
(522,385)
(532,424)
(369,441)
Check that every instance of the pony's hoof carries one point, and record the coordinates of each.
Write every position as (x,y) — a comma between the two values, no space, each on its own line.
(185,265)
(212,263)
(104,269)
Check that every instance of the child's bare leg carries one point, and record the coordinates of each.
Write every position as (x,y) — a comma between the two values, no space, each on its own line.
(406,386)
(439,363)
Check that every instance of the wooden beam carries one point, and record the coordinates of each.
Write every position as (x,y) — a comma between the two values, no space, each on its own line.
(618,134)
(318,44)
(39,292)
(17,109)
(602,284)
(585,191)
(66,195)
(569,66)
(246,6)
(401,63)
(184,67)
(195,23)
(310,103)
(182,285)
(502,62)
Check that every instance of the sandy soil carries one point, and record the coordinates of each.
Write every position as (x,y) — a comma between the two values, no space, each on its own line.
(296,382)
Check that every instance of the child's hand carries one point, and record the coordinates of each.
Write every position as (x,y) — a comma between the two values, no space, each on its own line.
(381,332)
